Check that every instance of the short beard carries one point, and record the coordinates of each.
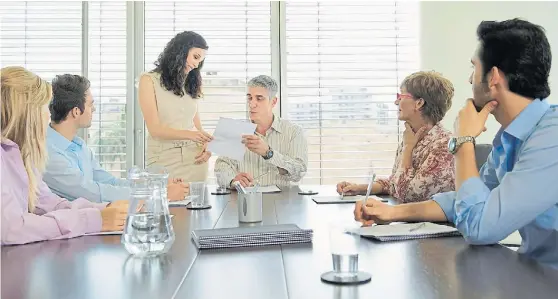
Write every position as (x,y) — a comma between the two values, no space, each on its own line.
(485,91)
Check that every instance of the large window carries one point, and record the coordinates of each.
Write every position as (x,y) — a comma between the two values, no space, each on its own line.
(344,65)
(239,39)
(339,65)
(44,37)
(107,73)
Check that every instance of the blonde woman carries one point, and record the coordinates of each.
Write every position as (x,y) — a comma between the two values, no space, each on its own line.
(168,96)
(30,211)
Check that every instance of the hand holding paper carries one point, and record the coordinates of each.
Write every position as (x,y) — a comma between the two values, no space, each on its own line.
(227,138)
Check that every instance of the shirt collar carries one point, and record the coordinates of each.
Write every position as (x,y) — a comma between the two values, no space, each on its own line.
(277,124)
(524,123)
(57,140)
(527,119)
(7,143)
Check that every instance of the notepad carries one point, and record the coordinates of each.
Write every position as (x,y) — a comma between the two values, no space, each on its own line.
(337,199)
(115,232)
(407,231)
(180,203)
(264,189)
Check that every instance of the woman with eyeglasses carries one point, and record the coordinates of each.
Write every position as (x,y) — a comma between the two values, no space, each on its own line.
(423,165)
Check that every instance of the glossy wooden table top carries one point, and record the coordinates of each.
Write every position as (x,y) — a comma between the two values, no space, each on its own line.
(99,266)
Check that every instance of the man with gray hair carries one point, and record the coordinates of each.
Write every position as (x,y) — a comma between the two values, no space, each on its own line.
(277,152)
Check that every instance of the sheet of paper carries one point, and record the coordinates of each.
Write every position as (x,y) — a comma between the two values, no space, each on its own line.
(265,189)
(227,138)
(116,232)
(180,203)
(514,239)
(337,198)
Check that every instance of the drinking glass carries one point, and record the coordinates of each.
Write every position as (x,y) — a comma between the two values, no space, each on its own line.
(197,194)
(344,240)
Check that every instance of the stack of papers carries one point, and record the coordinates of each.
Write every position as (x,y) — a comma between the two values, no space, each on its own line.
(407,231)
(251,236)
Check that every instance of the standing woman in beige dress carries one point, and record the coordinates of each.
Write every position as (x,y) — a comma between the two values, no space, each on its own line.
(168,96)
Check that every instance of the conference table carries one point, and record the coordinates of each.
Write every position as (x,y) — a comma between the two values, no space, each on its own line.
(100,267)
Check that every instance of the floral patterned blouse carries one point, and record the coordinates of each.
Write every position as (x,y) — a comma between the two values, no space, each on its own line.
(432,171)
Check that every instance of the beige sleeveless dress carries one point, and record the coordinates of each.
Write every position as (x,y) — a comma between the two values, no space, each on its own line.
(177,156)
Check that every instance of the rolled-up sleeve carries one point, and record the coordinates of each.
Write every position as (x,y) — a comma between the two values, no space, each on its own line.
(485,216)
(295,160)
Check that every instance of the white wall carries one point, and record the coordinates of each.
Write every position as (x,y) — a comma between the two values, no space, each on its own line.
(448,40)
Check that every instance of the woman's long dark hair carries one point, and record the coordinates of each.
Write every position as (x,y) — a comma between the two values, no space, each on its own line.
(172,63)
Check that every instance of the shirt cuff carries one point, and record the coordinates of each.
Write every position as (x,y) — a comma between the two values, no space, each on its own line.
(82,203)
(446,201)
(276,159)
(92,219)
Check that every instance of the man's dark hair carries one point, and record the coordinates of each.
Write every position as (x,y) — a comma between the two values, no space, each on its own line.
(521,50)
(68,92)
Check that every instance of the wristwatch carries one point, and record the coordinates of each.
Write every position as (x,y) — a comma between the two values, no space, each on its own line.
(456,142)
(269,154)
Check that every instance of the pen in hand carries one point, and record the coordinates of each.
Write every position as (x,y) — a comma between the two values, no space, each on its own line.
(261,175)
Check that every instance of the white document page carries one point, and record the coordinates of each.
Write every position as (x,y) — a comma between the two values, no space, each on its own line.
(264,189)
(227,138)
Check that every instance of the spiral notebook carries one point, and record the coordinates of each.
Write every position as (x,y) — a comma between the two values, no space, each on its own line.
(337,199)
(408,231)
(251,236)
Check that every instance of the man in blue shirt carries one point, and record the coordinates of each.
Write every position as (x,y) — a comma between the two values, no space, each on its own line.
(516,188)
(72,170)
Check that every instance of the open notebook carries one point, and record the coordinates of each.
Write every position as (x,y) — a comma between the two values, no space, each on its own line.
(116,232)
(335,199)
(407,231)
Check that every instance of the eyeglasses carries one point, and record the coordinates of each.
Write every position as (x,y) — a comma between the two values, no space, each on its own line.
(401,96)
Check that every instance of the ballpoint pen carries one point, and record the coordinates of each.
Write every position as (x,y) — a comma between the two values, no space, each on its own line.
(412,229)
(369,189)
(261,175)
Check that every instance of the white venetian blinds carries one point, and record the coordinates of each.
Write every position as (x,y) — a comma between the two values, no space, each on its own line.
(44,37)
(344,65)
(107,73)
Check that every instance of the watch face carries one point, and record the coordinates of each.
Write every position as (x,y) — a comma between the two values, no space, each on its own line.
(451,144)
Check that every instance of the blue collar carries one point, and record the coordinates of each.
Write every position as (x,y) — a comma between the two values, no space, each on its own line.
(56,139)
(522,126)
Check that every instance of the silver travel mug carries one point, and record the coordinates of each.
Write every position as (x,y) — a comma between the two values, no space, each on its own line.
(250,207)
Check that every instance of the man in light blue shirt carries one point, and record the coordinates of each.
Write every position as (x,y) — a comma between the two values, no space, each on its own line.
(516,188)
(72,170)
